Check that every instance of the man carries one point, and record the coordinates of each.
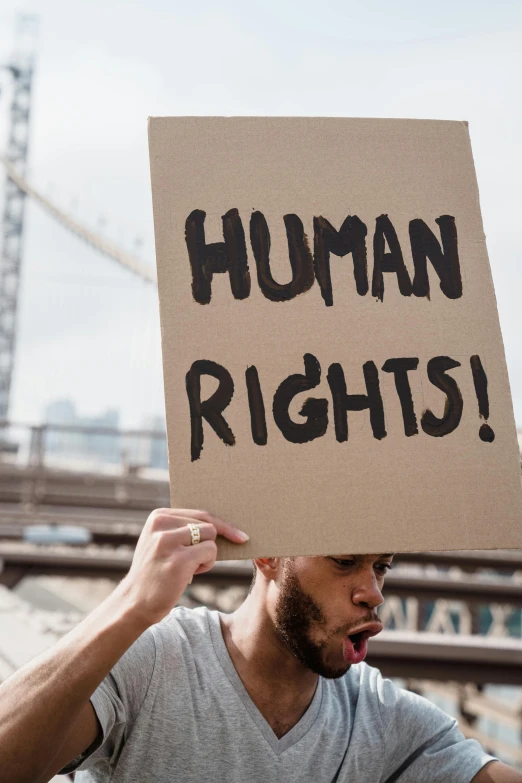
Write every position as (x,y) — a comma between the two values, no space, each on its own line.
(275,691)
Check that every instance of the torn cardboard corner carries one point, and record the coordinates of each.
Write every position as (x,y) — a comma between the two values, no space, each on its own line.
(334,371)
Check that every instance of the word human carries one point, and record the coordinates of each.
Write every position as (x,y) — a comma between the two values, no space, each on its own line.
(315,410)
(230,256)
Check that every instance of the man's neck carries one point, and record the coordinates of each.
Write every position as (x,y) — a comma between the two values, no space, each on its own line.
(278,684)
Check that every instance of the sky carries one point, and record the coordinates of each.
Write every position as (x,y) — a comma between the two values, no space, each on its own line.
(88,330)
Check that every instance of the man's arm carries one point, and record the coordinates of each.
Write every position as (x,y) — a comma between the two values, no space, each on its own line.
(84,732)
(46,719)
(497,772)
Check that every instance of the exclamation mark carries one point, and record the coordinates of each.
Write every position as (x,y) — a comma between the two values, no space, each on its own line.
(480,380)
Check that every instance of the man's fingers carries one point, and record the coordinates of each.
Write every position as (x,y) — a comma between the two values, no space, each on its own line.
(182,535)
(223,528)
(175,522)
(202,569)
(203,554)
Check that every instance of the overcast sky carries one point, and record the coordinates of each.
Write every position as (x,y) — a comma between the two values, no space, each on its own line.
(90,331)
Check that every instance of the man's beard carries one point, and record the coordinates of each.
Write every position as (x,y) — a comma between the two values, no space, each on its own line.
(295,613)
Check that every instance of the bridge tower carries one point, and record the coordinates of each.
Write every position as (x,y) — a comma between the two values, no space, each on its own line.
(20,69)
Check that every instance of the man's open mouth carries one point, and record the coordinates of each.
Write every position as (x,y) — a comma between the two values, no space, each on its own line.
(357,637)
(355,645)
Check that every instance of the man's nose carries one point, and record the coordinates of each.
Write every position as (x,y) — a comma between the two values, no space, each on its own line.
(368,593)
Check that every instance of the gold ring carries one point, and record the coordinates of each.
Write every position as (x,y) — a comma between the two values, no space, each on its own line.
(195,534)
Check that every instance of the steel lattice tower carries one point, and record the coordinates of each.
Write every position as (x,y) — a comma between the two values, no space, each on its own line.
(21,71)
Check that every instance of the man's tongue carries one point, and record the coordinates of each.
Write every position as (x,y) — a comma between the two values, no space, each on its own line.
(355,649)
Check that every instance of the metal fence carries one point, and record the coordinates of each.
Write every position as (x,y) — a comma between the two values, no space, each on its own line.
(78,448)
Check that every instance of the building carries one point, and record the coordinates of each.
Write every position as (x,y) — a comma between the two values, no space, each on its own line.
(66,438)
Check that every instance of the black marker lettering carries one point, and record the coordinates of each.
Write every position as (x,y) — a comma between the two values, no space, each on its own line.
(210,409)
(400,368)
(343,402)
(351,238)
(480,380)
(257,407)
(388,262)
(228,256)
(315,410)
(445,261)
(301,260)
(437,368)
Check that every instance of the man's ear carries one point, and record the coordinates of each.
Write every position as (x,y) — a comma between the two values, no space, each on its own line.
(270,567)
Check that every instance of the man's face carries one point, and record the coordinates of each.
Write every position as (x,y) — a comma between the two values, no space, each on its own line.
(322,604)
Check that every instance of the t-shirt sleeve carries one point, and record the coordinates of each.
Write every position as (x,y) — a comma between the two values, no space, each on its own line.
(422,743)
(117,702)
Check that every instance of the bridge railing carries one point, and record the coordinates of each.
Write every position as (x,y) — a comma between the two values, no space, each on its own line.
(78,448)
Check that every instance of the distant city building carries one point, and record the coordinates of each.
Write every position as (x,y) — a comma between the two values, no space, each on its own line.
(60,412)
(158,445)
(150,449)
(146,448)
(101,446)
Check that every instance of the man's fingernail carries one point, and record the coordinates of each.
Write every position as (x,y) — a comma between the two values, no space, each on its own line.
(243,536)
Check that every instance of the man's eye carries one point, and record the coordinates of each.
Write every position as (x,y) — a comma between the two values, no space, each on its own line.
(384,567)
(343,563)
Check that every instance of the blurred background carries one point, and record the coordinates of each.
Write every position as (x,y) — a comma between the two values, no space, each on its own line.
(82,435)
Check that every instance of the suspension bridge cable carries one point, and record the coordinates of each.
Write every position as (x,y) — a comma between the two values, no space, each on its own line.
(99,243)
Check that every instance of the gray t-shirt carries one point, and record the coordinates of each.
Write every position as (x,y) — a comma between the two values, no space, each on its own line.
(174,709)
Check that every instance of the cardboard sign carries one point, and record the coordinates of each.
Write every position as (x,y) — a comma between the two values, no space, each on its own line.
(334,371)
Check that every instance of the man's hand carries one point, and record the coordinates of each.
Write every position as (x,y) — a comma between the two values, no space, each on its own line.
(497,772)
(165,561)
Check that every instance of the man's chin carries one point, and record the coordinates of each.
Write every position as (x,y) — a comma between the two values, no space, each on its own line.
(331,672)
(335,674)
